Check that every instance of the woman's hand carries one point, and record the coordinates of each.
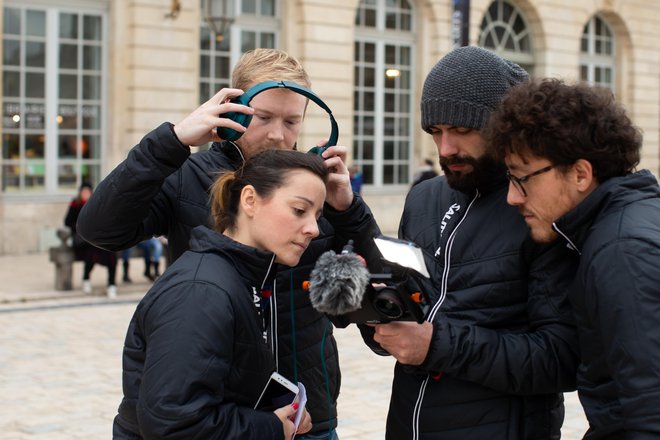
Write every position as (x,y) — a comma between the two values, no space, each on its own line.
(286,415)
(305,423)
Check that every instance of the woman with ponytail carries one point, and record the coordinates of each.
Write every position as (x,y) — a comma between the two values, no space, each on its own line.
(197,353)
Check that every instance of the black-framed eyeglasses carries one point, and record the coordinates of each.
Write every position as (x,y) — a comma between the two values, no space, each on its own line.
(518,181)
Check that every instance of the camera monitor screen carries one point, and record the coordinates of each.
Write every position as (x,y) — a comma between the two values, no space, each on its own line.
(403,253)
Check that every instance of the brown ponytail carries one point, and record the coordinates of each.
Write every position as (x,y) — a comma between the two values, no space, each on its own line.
(221,209)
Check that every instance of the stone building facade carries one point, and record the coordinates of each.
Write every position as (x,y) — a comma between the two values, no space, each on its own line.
(83,80)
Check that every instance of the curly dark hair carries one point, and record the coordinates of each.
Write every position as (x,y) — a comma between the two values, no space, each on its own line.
(564,123)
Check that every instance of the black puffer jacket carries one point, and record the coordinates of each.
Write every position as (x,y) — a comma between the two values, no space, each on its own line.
(161,189)
(616,299)
(195,359)
(504,343)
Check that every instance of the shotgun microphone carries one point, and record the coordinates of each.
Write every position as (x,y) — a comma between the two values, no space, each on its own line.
(338,282)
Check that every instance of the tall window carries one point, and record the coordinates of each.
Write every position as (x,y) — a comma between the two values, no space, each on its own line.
(255,25)
(52,94)
(383,91)
(504,30)
(597,53)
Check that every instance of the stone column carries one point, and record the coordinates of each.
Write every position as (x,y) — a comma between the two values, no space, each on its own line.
(62,256)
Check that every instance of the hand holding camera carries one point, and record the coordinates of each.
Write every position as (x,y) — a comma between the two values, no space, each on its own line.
(408,342)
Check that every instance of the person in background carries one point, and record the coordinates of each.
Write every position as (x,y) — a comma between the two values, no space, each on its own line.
(499,345)
(90,255)
(425,171)
(162,189)
(126,263)
(196,355)
(571,152)
(166,254)
(152,250)
(356,179)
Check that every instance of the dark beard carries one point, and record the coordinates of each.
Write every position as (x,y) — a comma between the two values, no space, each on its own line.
(485,170)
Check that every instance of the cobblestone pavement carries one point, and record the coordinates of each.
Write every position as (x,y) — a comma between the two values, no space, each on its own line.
(60,370)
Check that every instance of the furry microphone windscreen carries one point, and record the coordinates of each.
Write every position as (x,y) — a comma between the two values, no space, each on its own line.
(337,283)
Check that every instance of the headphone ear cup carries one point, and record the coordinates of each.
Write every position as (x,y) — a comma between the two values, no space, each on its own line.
(229,134)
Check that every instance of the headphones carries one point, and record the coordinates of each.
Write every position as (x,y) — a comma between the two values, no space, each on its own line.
(243,119)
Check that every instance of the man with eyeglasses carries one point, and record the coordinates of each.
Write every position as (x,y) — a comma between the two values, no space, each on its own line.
(571,152)
(518,181)
(499,345)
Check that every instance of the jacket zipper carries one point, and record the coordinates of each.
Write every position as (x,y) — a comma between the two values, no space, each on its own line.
(434,310)
(273,327)
(272,306)
(569,243)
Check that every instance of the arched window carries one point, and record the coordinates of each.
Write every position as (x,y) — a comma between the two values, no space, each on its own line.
(225,35)
(383,91)
(597,53)
(504,30)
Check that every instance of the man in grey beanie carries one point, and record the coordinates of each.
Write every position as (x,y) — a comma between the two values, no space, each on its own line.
(499,345)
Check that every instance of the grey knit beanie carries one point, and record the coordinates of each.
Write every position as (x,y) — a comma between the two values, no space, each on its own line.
(465,86)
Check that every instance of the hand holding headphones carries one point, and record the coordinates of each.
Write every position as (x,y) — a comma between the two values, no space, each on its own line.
(199,127)
(244,118)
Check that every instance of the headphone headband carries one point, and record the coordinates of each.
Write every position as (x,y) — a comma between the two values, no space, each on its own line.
(245,98)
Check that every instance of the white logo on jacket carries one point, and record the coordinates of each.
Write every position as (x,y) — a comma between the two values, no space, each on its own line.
(256,299)
(453,209)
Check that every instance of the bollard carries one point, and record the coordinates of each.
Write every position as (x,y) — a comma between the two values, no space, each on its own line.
(62,256)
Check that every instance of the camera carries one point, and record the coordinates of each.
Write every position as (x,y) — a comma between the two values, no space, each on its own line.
(394,297)
(343,289)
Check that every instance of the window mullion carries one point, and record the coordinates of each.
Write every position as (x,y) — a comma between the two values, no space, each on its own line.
(379,116)
(51,104)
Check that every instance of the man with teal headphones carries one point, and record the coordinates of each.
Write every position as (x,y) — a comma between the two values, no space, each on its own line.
(161,189)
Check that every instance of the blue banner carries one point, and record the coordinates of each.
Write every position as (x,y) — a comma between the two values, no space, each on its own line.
(460,23)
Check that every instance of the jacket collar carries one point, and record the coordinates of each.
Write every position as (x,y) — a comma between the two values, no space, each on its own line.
(613,194)
(255,266)
(497,181)
(231,151)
